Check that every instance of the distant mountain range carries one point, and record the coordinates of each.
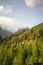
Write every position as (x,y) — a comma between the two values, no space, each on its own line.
(4,32)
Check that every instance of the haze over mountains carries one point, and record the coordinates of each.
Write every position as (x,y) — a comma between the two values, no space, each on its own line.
(4,32)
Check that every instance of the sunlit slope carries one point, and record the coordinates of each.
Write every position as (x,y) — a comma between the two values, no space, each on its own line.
(24,47)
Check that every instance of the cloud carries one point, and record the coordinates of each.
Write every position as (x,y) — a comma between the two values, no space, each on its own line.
(5,10)
(30,3)
(9,23)
(1,8)
(33,3)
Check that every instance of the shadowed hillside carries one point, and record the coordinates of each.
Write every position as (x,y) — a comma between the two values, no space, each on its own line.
(24,47)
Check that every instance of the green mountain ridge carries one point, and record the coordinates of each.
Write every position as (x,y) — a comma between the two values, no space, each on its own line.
(27,33)
(24,47)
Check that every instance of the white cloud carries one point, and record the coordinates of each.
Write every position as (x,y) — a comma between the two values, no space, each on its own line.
(9,23)
(30,3)
(5,10)
(1,8)
(33,3)
(8,11)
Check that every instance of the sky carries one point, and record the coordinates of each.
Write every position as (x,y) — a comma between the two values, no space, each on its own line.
(17,14)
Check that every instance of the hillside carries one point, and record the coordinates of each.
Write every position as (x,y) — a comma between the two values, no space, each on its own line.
(24,47)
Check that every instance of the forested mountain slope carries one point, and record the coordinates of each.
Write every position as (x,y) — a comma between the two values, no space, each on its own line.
(24,47)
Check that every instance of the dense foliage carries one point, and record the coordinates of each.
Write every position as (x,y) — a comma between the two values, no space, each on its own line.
(24,47)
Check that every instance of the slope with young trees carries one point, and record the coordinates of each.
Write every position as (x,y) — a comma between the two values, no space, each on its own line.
(24,47)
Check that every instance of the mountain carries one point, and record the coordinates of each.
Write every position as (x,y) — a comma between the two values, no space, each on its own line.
(24,47)
(28,34)
(4,32)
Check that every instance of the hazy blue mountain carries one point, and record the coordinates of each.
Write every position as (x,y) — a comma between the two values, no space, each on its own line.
(4,32)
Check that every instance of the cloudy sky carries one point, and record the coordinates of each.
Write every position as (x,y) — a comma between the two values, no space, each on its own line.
(15,14)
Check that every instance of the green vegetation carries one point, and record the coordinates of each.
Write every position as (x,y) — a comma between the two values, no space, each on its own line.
(24,47)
